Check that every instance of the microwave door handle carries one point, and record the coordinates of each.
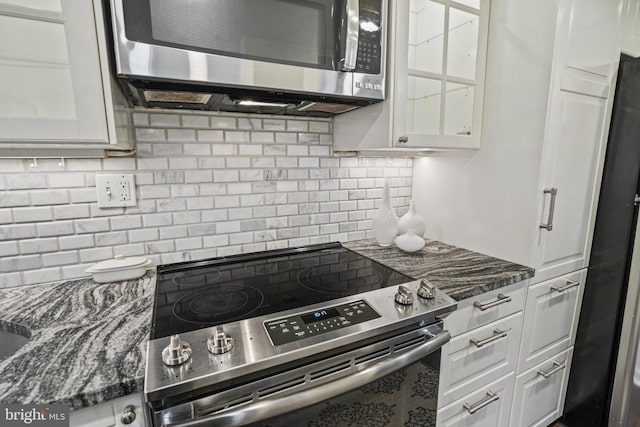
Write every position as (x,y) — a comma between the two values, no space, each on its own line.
(351,39)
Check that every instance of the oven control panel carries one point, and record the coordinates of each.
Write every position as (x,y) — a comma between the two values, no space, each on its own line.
(305,325)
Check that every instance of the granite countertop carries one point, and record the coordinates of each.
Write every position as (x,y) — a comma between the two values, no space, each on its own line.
(458,272)
(87,341)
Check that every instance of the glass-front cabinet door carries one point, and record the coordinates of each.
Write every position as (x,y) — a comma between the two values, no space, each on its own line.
(439,67)
(50,75)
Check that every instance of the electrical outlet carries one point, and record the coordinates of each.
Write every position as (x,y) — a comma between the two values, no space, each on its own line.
(117,190)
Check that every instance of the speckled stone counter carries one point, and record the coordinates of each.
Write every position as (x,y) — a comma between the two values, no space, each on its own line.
(458,272)
(87,341)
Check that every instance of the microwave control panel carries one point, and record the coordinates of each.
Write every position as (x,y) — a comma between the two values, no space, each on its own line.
(369,58)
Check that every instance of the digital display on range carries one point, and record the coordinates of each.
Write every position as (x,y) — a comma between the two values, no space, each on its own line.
(319,315)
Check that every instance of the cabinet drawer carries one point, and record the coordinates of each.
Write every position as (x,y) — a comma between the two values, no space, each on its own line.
(478,357)
(483,309)
(539,393)
(551,318)
(490,406)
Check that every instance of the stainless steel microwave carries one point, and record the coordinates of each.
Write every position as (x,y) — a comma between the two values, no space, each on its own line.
(305,57)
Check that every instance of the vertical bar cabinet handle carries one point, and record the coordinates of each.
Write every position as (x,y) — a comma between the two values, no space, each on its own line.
(552,206)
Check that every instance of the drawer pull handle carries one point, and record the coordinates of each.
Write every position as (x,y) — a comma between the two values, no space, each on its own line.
(552,206)
(557,367)
(497,334)
(570,284)
(475,407)
(502,299)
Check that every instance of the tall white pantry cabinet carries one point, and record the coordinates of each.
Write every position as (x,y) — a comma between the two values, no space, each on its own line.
(529,195)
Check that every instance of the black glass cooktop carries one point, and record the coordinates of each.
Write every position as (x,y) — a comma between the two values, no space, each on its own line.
(200,294)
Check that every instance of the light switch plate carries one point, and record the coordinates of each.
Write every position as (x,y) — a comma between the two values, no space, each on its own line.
(116,190)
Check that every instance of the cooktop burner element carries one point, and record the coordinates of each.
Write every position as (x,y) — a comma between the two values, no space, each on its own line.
(195,295)
(218,303)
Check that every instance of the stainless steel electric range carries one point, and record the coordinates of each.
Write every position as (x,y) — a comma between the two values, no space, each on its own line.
(269,337)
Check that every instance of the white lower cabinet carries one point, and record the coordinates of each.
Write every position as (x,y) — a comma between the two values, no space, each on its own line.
(501,351)
(539,392)
(551,318)
(488,406)
(478,357)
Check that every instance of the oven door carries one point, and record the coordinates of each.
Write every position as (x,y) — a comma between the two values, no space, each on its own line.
(386,383)
(308,46)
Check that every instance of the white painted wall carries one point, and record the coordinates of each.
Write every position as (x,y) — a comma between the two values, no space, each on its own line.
(483,200)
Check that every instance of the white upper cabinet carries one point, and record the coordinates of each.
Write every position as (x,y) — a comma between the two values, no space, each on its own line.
(440,85)
(436,67)
(55,85)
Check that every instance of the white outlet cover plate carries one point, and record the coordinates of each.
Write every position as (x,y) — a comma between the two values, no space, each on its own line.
(116,190)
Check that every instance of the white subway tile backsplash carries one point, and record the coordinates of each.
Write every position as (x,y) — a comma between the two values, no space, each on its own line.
(208,184)
(186,217)
(10,199)
(195,121)
(250,150)
(197,149)
(60,258)
(143,235)
(249,123)
(319,127)
(12,165)
(126,222)
(164,120)
(227,202)
(58,228)
(115,164)
(210,135)
(96,254)
(42,276)
(76,242)
(22,215)
(308,138)
(9,248)
(22,181)
(10,279)
(223,122)
(71,211)
(175,135)
(274,124)
(83,195)
(19,263)
(144,134)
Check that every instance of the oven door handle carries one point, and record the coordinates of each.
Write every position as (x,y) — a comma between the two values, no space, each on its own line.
(271,407)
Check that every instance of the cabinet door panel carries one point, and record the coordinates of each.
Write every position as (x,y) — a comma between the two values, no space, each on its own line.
(537,400)
(570,166)
(589,50)
(494,413)
(551,318)
(486,308)
(467,365)
(50,74)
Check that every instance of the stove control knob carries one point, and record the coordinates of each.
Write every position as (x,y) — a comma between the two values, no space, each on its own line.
(426,290)
(404,295)
(177,352)
(219,342)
